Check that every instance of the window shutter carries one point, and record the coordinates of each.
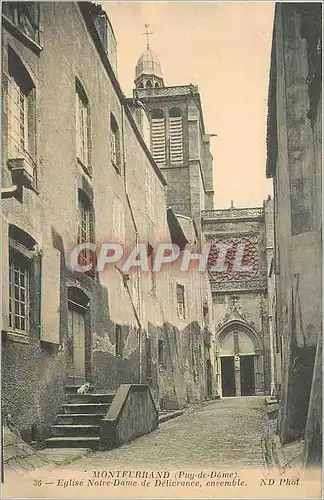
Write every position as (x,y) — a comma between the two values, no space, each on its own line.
(176,148)
(88,137)
(77,125)
(50,303)
(5,276)
(158,140)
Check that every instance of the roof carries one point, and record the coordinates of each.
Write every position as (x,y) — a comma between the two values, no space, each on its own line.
(148,64)
(86,11)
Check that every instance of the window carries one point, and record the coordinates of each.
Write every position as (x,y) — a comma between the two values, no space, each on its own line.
(150,198)
(175,135)
(148,358)
(114,143)
(18,294)
(205,315)
(161,352)
(180,301)
(20,111)
(83,128)
(152,280)
(25,16)
(119,341)
(85,228)
(158,138)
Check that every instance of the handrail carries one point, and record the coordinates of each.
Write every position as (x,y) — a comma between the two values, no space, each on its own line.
(109,424)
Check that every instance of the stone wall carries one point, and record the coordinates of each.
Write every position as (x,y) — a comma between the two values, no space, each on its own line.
(296,170)
(34,372)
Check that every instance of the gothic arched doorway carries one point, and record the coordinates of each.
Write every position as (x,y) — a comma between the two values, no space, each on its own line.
(239,357)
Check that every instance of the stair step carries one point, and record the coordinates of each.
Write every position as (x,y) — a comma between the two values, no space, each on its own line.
(100,408)
(75,430)
(73,442)
(79,418)
(91,398)
(75,380)
(73,388)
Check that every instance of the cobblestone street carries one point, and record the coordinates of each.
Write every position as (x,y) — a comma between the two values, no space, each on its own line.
(219,434)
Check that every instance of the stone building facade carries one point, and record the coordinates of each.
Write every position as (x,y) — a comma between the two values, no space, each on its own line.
(180,144)
(77,166)
(240,261)
(295,165)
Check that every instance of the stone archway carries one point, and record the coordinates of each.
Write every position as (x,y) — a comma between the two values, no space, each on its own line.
(240,360)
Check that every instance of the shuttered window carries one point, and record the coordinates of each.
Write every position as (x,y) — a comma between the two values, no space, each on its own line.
(175,136)
(18,124)
(115,143)
(158,141)
(18,294)
(19,107)
(180,301)
(86,229)
(83,132)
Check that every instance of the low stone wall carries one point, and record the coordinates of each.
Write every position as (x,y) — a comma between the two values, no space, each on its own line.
(132,414)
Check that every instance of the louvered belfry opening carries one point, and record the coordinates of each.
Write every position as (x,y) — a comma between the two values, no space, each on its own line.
(175,133)
(158,136)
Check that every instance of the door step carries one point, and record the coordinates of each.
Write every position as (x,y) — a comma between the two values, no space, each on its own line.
(86,407)
(90,398)
(73,388)
(75,430)
(73,442)
(79,418)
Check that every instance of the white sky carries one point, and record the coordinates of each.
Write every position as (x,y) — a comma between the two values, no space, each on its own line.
(224,48)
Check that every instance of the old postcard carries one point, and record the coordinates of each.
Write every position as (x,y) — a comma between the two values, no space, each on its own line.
(161,250)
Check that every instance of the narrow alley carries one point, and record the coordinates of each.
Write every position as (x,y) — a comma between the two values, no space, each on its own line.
(223,433)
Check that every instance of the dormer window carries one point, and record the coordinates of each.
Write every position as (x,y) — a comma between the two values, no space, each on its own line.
(25,17)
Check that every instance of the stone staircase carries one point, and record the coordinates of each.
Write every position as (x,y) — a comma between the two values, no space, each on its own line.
(78,424)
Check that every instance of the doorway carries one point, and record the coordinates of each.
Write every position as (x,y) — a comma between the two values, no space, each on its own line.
(228,380)
(76,335)
(247,375)
(209,379)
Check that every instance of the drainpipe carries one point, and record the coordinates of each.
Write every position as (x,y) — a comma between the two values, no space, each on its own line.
(271,291)
(272,367)
(137,314)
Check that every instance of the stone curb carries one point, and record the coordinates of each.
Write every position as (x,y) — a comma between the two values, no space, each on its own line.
(169,416)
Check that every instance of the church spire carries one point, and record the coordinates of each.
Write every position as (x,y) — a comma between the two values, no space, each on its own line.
(148,72)
(147,33)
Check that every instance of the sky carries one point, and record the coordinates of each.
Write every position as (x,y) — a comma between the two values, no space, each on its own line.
(224,48)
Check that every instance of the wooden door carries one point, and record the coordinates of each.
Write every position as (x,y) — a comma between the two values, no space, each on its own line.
(76,325)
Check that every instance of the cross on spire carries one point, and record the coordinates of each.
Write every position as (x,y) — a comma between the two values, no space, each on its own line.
(147,33)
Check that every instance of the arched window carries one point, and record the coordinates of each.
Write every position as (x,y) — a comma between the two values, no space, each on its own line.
(83,127)
(149,84)
(115,143)
(176,135)
(156,85)
(158,138)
